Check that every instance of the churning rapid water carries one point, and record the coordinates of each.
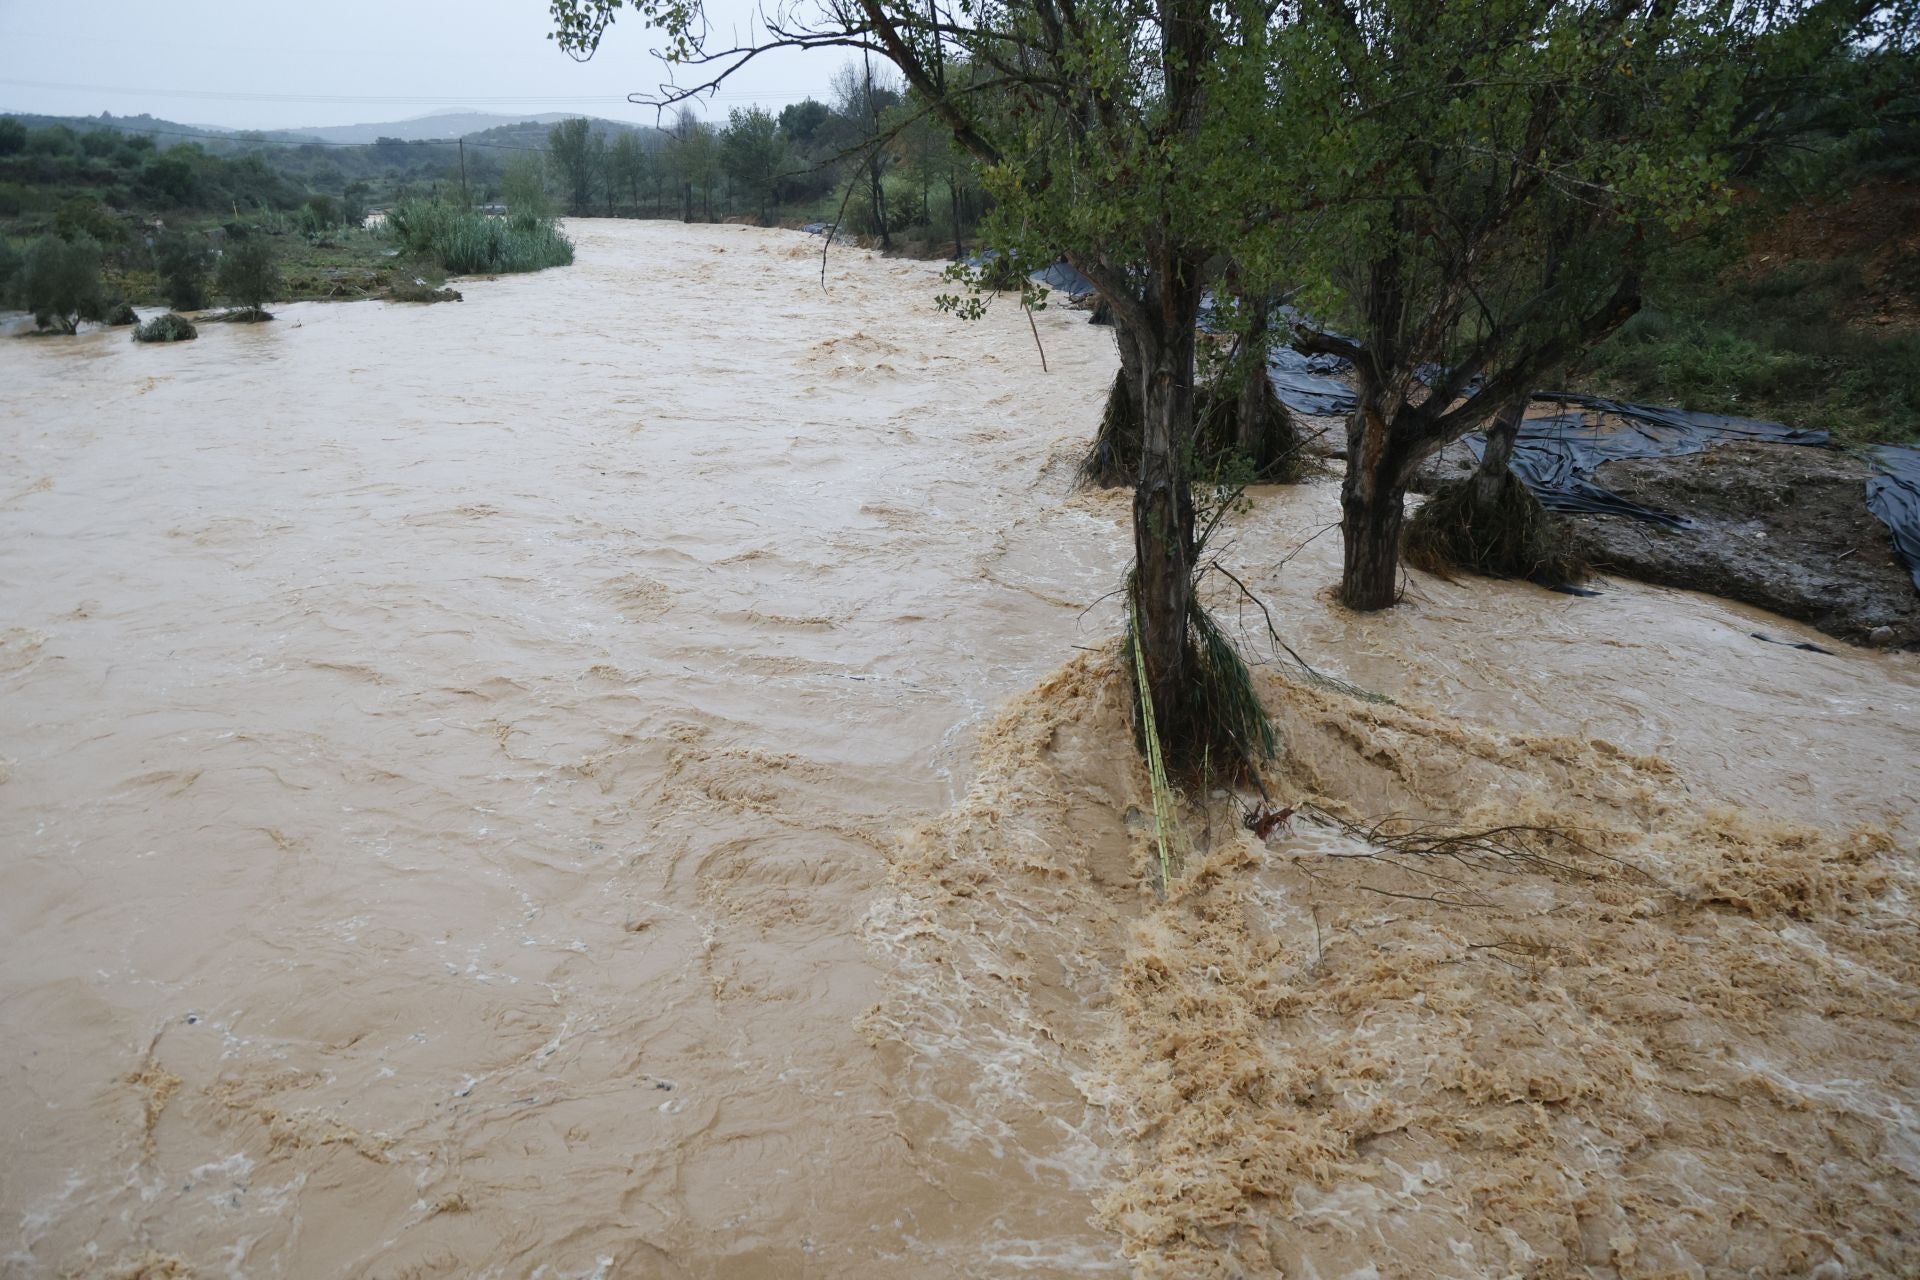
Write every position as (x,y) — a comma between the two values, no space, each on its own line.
(515,788)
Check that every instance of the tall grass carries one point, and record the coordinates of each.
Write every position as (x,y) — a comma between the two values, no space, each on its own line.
(467,243)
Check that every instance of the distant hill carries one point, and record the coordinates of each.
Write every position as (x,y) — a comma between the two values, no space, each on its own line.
(441,126)
(152,125)
(533,133)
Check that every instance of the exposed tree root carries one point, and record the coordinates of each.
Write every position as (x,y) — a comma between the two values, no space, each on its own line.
(1275,457)
(1491,526)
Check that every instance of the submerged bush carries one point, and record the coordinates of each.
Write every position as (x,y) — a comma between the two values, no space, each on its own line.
(1492,526)
(469,243)
(248,277)
(166,328)
(60,283)
(418,291)
(122,313)
(181,261)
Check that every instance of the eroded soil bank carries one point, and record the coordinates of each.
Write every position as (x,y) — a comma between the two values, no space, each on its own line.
(585,783)
(1781,527)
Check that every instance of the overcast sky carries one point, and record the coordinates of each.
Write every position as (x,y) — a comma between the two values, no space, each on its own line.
(278,64)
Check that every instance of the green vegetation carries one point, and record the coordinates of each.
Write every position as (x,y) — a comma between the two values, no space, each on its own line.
(166,328)
(1787,345)
(121,314)
(469,243)
(59,283)
(249,277)
(414,291)
(182,262)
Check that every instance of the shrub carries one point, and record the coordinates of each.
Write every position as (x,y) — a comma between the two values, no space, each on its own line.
(181,261)
(9,265)
(417,291)
(86,216)
(469,243)
(13,136)
(122,313)
(60,283)
(166,328)
(249,276)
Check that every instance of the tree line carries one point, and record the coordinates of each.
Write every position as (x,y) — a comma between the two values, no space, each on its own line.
(872,158)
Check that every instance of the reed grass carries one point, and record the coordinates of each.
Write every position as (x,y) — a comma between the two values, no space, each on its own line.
(464,242)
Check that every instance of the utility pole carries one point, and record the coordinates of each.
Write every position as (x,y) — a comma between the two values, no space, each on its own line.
(466,198)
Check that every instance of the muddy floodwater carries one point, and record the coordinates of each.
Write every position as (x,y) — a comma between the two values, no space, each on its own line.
(625,776)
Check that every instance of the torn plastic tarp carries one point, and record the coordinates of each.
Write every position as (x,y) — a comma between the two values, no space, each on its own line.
(1664,432)
(1060,277)
(1893,495)
(1063,277)
(1299,382)
(1555,456)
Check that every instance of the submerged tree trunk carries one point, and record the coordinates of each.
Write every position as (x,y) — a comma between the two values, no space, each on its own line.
(953,196)
(1163,516)
(1114,459)
(1373,502)
(1490,479)
(1250,415)
(878,194)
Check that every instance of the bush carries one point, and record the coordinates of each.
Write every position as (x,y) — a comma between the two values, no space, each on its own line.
(415,291)
(166,328)
(13,136)
(86,216)
(181,261)
(60,283)
(468,243)
(249,276)
(122,313)
(9,265)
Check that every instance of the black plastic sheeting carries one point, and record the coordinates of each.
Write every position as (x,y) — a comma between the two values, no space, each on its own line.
(1060,277)
(1556,456)
(1893,495)
(1063,277)
(1302,386)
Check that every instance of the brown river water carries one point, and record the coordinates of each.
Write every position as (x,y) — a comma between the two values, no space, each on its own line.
(626,776)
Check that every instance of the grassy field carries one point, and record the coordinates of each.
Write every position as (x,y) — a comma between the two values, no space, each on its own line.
(1813,320)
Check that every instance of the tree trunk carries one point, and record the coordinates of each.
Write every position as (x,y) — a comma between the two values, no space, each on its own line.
(1163,518)
(1372,508)
(1250,419)
(1486,482)
(953,194)
(879,196)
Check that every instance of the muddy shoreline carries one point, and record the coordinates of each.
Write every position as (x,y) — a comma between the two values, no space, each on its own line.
(1782,527)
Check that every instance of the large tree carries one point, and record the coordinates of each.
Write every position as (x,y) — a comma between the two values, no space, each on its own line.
(1490,181)
(754,154)
(1096,123)
(59,282)
(626,168)
(579,153)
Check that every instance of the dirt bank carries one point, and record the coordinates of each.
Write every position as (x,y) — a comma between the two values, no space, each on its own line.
(1782,527)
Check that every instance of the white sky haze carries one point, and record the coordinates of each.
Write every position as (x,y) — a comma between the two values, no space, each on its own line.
(275,64)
